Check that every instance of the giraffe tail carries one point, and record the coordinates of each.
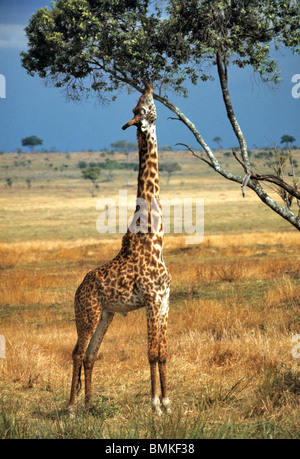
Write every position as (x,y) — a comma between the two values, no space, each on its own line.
(78,387)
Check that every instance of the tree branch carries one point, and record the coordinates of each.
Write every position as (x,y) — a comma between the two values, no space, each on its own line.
(269,178)
(194,154)
(181,117)
(277,181)
(176,119)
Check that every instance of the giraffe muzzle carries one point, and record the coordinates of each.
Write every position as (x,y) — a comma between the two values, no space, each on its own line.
(130,123)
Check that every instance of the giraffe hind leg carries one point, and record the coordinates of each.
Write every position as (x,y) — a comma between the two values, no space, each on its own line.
(79,385)
(157,318)
(77,355)
(153,346)
(87,313)
(92,350)
(162,352)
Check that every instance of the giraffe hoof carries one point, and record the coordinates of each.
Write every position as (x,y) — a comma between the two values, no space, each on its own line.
(168,409)
(71,412)
(167,406)
(156,406)
(157,410)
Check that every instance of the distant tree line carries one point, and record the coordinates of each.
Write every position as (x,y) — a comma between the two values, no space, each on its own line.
(109,164)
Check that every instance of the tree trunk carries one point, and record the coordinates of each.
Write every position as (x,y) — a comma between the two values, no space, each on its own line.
(93,189)
(222,72)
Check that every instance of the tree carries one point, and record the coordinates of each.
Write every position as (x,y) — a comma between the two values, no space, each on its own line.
(108,167)
(169,168)
(287,139)
(218,141)
(92,173)
(124,147)
(82,164)
(86,45)
(165,148)
(31,142)
(9,182)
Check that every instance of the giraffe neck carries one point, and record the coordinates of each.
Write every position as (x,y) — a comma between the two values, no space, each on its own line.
(148,181)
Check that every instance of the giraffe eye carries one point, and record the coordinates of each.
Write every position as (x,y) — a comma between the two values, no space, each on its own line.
(143,111)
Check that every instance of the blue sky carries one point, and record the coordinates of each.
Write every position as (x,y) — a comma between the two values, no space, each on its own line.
(30,108)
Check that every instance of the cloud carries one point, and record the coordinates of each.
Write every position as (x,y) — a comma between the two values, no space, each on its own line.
(12,36)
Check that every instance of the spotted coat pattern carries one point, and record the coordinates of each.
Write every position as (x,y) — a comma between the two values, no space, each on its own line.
(137,277)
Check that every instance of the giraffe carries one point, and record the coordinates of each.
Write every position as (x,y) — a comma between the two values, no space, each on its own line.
(137,277)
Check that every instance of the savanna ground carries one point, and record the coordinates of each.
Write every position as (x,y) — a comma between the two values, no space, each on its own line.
(234,308)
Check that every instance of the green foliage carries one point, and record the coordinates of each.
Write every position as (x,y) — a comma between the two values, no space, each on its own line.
(123,146)
(218,141)
(82,164)
(10,424)
(165,148)
(91,173)
(275,387)
(263,154)
(101,46)
(109,164)
(9,182)
(103,408)
(112,42)
(130,166)
(241,30)
(169,168)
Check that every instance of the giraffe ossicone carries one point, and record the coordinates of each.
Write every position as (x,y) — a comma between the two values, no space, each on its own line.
(136,278)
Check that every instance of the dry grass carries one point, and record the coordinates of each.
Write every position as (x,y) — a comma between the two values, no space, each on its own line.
(234,309)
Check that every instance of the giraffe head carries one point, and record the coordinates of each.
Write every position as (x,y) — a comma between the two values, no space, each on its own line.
(144,112)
